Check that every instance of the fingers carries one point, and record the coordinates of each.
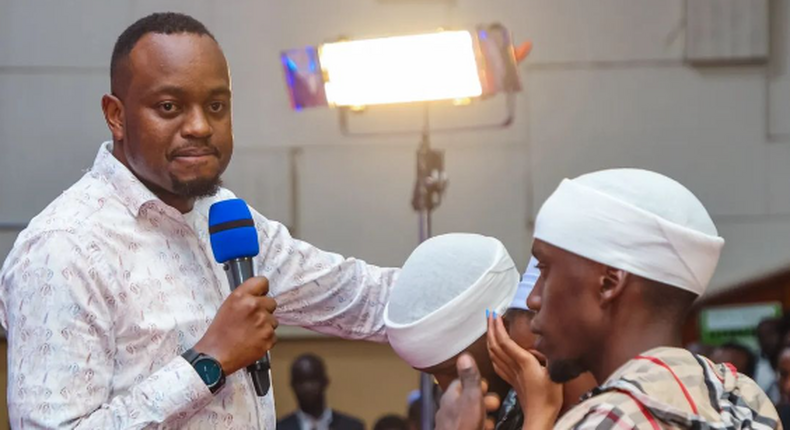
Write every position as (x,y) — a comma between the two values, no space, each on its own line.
(492,402)
(268,334)
(495,348)
(510,348)
(461,406)
(450,395)
(256,286)
(272,320)
(508,358)
(253,306)
(268,304)
(469,374)
(503,371)
(501,368)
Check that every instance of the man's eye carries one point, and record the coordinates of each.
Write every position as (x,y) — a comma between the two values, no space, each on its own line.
(216,106)
(167,106)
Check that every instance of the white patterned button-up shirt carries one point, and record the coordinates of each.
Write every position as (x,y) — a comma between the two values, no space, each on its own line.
(108,286)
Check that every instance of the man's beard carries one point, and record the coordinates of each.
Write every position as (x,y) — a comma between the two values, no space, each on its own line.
(196,188)
(564,370)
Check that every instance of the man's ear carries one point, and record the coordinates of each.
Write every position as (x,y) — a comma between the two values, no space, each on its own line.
(612,284)
(113,115)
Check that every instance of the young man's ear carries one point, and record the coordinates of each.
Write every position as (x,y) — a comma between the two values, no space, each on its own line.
(612,284)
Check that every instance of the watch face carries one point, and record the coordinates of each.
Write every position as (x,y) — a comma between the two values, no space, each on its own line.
(209,371)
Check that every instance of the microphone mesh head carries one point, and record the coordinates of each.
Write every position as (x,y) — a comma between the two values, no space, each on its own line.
(232,231)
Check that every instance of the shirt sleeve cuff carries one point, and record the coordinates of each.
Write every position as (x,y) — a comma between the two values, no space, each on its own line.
(176,390)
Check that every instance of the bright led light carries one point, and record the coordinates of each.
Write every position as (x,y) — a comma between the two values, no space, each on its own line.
(437,66)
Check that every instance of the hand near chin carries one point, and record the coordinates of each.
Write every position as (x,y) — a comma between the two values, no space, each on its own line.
(539,396)
(465,403)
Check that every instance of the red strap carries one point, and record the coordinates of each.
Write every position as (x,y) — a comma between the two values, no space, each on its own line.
(729,367)
(732,368)
(682,387)
(644,410)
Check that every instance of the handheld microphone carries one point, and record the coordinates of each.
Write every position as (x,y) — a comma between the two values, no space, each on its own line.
(234,242)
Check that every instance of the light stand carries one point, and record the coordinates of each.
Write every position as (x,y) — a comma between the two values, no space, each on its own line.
(428,189)
(430,183)
(345,68)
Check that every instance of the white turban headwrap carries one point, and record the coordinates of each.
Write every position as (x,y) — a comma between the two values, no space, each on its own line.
(526,285)
(437,308)
(634,220)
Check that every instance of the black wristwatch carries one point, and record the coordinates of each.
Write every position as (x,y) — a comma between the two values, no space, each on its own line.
(207,368)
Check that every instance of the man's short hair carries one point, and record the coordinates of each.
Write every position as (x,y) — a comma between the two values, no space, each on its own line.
(161,23)
(667,301)
(311,359)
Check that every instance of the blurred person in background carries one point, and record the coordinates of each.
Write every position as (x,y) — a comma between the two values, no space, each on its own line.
(699,348)
(414,406)
(414,414)
(736,354)
(309,382)
(783,384)
(783,363)
(391,422)
(770,333)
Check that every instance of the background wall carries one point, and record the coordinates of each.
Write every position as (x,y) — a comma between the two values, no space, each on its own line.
(605,86)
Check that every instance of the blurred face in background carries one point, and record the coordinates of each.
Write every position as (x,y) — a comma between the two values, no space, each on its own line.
(769,337)
(519,327)
(783,369)
(309,382)
(738,357)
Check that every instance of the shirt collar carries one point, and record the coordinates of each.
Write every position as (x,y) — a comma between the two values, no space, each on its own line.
(131,192)
(626,368)
(322,422)
(629,365)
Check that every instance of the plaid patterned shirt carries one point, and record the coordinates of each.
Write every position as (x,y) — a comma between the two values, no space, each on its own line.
(668,388)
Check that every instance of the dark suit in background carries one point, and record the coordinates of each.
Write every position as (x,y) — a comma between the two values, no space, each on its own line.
(339,422)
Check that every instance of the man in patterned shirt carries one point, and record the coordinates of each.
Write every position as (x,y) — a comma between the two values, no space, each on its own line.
(115,279)
(623,254)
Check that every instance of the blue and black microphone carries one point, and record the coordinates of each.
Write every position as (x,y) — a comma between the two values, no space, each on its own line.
(234,242)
